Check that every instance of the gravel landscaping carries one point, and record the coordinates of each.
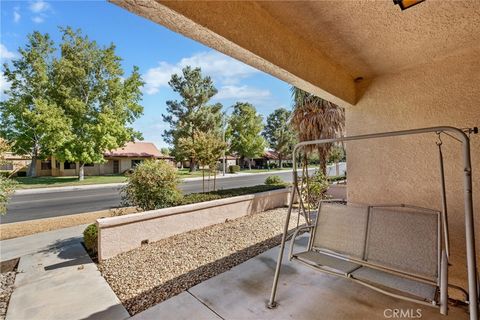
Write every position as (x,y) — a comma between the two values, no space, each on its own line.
(7,280)
(157,271)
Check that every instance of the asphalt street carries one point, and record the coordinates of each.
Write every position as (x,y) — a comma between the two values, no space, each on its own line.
(23,207)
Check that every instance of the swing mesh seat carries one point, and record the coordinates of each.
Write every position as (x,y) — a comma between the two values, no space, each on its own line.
(392,249)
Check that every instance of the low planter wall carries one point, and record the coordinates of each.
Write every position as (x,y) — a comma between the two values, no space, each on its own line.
(124,233)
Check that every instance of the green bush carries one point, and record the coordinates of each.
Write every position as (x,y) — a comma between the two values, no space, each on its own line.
(274,180)
(7,187)
(152,185)
(199,197)
(317,187)
(233,169)
(90,239)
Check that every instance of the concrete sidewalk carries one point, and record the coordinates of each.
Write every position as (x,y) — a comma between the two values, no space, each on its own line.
(21,246)
(56,279)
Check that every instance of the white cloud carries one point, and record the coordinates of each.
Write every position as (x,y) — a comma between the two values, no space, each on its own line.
(39,6)
(221,68)
(5,54)
(16,15)
(38,19)
(242,93)
(159,77)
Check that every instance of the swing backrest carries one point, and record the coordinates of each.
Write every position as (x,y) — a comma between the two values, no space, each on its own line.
(405,239)
(341,228)
(401,238)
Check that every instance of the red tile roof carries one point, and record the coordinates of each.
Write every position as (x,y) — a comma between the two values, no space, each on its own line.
(137,149)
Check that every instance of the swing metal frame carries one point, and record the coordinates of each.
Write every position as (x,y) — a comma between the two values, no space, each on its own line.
(456,133)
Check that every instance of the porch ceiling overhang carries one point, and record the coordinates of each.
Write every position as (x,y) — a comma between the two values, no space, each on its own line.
(323,46)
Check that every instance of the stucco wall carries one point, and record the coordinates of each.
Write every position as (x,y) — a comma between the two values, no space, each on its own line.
(406,169)
(124,233)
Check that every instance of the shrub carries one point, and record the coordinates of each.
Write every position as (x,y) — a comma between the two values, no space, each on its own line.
(199,197)
(90,239)
(272,165)
(233,169)
(274,180)
(317,187)
(152,185)
(7,187)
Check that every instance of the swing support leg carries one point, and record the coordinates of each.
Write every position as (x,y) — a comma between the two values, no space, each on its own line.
(271,303)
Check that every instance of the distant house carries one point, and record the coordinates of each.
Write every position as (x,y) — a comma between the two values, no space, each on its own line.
(14,162)
(117,161)
(268,159)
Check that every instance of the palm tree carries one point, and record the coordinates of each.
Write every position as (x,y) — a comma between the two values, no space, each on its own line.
(315,118)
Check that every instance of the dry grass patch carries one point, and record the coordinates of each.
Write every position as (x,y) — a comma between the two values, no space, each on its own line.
(155,272)
(25,228)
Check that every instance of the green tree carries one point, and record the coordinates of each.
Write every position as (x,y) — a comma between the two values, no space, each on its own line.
(97,101)
(207,149)
(165,151)
(192,112)
(244,132)
(31,120)
(279,134)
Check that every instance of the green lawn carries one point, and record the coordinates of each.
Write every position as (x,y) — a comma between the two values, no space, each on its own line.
(44,182)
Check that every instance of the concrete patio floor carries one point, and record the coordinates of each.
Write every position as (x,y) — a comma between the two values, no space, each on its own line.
(242,293)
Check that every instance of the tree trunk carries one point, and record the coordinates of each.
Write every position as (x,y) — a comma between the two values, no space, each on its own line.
(32,170)
(280,162)
(193,165)
(203,179)
(81,172)
(214,179)
(337,169)
(249,164)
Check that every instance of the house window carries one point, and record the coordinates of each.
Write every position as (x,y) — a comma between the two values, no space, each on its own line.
(69,165)
(136,162)
(88,165)
(46,165)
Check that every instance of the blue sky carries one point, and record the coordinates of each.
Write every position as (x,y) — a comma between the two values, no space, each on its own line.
(157,51)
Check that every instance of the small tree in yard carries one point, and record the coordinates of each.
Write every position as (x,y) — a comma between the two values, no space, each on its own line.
(279,134)
(7,185)
(152,185)
(244,131)
(207,148)
(97,101)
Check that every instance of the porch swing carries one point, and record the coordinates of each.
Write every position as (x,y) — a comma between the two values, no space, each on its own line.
(399,250)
